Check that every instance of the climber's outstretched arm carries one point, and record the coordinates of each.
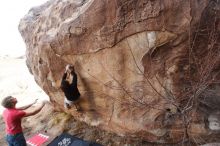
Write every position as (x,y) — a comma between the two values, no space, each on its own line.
(37,110)
(27,106)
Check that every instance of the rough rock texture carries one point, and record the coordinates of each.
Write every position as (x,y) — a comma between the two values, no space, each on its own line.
(131,57)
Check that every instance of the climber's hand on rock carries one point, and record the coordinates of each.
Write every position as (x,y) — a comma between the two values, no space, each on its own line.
(67,68)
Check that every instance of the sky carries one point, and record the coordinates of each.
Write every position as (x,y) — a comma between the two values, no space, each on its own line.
(11,11)
(22,86)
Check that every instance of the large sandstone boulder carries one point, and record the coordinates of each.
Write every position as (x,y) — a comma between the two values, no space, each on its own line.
(131,57)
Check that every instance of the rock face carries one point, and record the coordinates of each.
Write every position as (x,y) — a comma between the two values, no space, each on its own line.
(132,60)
